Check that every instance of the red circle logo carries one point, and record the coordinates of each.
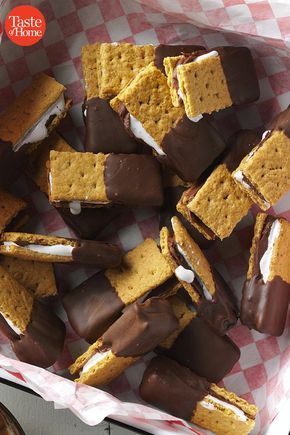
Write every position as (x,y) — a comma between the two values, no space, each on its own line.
(25,25)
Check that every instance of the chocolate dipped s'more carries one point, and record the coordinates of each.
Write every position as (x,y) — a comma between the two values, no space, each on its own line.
(141,328)
(208,291)
(44,248)
(266,292)
(89,223)
(36,334)
(264,174)
(13,211)
(196,346)
(186,146)
(35,276)
(215,206)
(11,163)
(96,303)
(92,180)
(179,391)
(33,115)
(211,80)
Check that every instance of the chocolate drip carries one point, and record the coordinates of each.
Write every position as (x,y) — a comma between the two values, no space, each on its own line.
(191,147)
(209,355)
(240,73)
(105,132)
(282,122)
(133,180)
(11,163)
(172,387)
(141,328)
(100,254)
(92,307)
(239,145)
(43,340)
(162,51)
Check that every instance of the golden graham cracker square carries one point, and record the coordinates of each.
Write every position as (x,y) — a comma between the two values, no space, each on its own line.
(77,176)
(268,170)
(220,204)
(15,301)
(203,86)
(143,269)
(148,99)
(119,63)
(28,107)
(90,60)
(35,276)
(10,206)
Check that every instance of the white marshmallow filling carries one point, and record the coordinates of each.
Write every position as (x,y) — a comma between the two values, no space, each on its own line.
(97,357)
(11,324)
(60,250)
(237,411)
(139,132)
(38,131)
(265,262)
(240,178)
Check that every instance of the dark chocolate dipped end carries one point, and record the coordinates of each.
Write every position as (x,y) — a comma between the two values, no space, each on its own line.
(164,50)
(100,254)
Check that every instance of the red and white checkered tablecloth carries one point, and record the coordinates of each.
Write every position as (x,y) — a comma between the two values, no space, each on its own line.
(262,374)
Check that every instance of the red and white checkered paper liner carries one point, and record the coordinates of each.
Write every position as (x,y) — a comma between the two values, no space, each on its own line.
(262,374)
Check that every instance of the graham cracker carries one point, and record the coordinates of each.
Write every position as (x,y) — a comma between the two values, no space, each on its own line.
(105,370)
(143,269)
(148,99)
(184,316)
(29,106)
(268,168)
(204,86)
(221,420)
(119,63)
(37,167)
(35,276)
(220,204)
(37,239)
(77,176)
(10,206)
(169,65)
(90,59)
(16,302)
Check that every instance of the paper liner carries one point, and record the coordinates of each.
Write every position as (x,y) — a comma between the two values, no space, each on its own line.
(262,373)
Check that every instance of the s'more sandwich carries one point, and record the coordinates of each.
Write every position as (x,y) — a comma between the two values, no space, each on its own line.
(266,292)
(187,146)
(138,331)
(96,303)
(214,207)
(80,180)
(264,174)
(211,80)
(207,290)
(195,345)
(179,391)
(33,115)
(89,223)
(13,211)
(35,332)
(40,247)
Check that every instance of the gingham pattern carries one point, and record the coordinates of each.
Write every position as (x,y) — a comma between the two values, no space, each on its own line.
(261,374)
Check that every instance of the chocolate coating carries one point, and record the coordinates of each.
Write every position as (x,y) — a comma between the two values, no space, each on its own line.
(7,330)
(91,221)
(105,132)
(141,328)
(133,180)
(8,423)
(11,163)
(191,147)
(282,122)
(172,387)
(92,307)
(209,355)
(43,341)
(240,73)
(100,254)
(163,50)
(239,145)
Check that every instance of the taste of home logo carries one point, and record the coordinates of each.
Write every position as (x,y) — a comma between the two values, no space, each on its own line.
(25,25)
